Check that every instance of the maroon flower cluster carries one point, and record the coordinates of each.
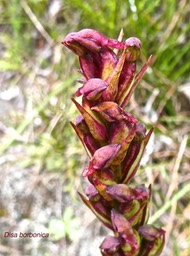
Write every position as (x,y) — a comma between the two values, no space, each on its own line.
(115,141)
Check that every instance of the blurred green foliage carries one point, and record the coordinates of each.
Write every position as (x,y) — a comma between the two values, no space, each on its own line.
(67,227)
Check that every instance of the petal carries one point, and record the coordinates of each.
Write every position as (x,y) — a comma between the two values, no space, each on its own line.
(109,61)
(110,245)
(102,158)
(125,80)
(81,136)
(92,193)
(153,240)
(81,125)
(101,187)
(150,233)
(90,65)
(119,131)
(140,131)
(133,46)
(72,44)
(89,40)
(109,111)
(89,143)
(123,193)
(92,89)
(105,155)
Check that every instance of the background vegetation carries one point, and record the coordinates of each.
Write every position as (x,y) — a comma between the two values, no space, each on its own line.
(41,157)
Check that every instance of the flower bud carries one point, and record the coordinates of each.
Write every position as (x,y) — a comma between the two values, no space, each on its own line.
(133,46)
(109,111)
(123,193)
(90,65)
(92,193)
(129,238)
(109,61)
(152,240)
(102,158)
(92,89)
(89,143)
(110,246)
(136,211)
(131,85)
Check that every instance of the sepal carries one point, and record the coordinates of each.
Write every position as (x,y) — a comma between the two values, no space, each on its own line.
(129,237)
(110,246)
(152,240)
(102,158)
(99,210)
(92,89)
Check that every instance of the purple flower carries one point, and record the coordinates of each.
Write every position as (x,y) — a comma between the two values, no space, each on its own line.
(114,140)
(152,240)
(92,89)
(89,40)
(102,158)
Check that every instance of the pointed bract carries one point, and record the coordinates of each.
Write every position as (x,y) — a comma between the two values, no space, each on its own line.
(97,129)
(102,158)
(99,210)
